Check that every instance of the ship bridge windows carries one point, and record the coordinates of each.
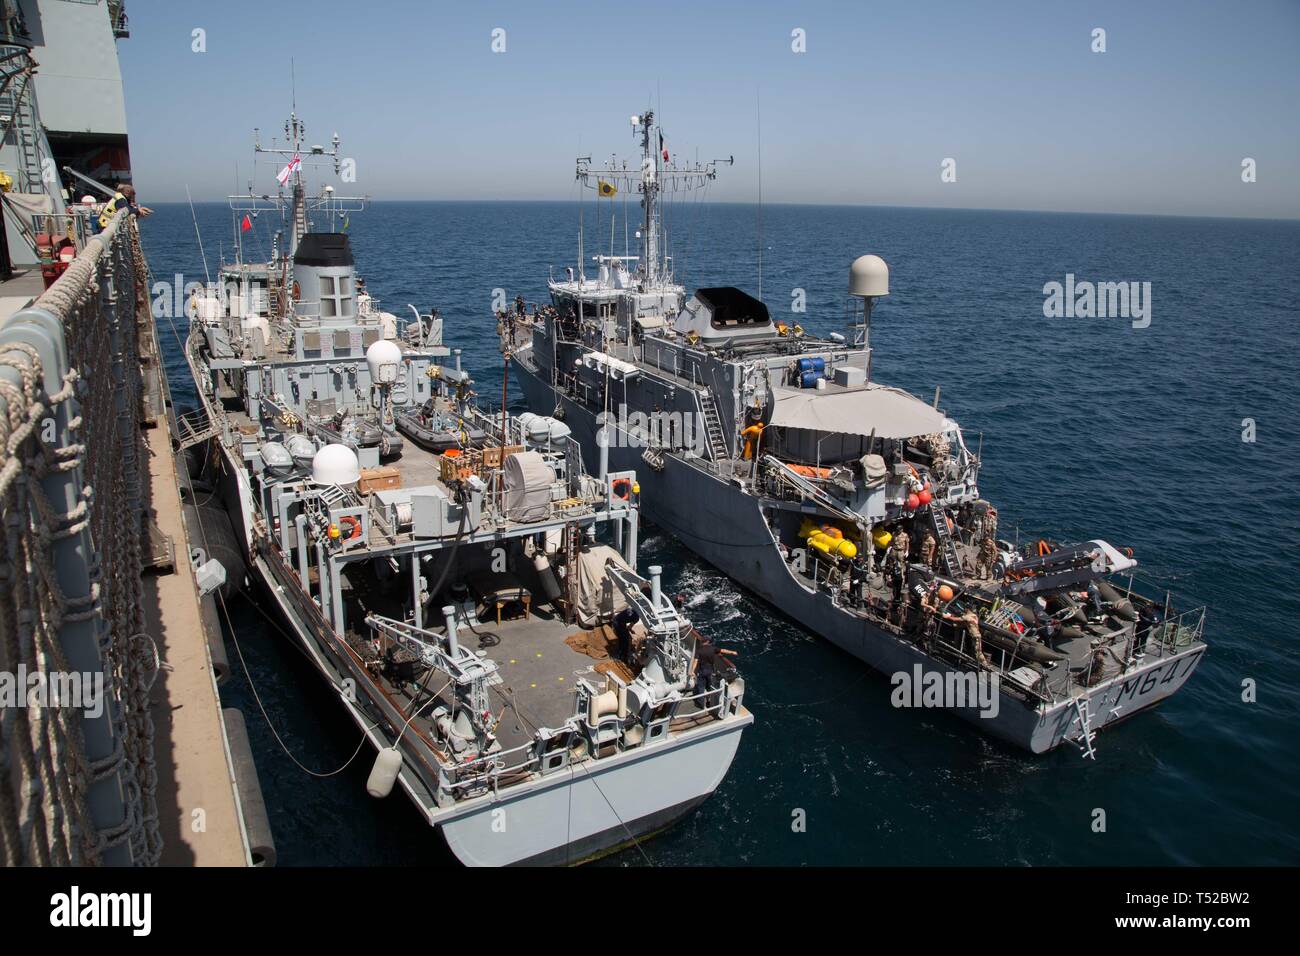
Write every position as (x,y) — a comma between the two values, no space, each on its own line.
(335,296)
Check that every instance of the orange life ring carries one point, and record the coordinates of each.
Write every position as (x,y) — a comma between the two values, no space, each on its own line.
(356,526)
(622,488)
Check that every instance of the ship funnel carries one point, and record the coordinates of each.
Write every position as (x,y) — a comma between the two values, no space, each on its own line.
(868,277)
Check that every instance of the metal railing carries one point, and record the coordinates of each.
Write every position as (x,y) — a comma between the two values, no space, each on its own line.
(485,772)
(77,783)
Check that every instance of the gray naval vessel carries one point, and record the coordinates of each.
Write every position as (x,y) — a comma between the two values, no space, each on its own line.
(851,506)
(452,573)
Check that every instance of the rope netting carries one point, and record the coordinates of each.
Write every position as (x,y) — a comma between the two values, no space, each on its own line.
(88,431)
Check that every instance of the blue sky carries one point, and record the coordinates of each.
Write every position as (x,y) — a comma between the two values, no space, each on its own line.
(1012,91)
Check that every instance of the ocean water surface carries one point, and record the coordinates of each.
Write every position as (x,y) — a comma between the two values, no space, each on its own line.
(1089,428)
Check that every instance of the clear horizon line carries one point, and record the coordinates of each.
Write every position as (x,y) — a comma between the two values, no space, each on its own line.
(826,205)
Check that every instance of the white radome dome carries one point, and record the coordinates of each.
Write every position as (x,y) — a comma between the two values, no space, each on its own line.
(383,358)
(868,276)
(335,465)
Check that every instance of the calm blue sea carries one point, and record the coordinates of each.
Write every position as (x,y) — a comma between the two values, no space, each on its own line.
(1090,427)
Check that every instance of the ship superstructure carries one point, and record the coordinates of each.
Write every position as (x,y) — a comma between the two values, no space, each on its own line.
(644,286)
(470,589)
(851,506)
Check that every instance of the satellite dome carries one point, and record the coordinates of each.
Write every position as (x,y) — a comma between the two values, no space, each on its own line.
(868,276)
(335,465)
(383,358)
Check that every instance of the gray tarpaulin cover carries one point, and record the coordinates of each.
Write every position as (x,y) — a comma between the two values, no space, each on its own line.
(598,597)
(889,412)
(31,204)
(873,470)
(528,481)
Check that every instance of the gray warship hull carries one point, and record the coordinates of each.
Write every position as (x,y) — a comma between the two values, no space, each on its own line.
(564,818)
(724,525)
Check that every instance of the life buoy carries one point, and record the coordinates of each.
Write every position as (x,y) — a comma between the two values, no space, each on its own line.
(622,489)
(350,521)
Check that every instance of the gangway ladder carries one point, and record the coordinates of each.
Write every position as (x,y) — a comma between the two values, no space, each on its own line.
(18,114)
(334,496)
(571,532)
(947,547)
(713,426)
(1083,715)
(195,427)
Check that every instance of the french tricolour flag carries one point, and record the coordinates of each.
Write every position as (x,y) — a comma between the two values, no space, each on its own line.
(283,176)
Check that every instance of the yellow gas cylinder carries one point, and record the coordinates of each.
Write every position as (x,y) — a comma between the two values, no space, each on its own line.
(880,537)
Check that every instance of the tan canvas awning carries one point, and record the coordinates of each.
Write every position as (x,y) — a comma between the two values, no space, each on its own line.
(888,412)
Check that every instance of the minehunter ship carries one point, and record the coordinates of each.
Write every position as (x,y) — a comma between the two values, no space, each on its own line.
(452,573)
(851,506)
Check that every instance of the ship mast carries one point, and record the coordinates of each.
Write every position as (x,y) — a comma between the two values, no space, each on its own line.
(655,174)
(295,132)
(650,199)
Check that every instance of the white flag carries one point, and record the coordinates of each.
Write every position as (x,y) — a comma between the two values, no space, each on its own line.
(283,176)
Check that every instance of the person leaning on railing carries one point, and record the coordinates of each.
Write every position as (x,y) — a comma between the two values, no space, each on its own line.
(123,198)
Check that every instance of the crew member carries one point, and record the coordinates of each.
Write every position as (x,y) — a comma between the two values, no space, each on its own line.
(929,548)
(926,609)
(709,660)
(123,198)
(623,622)
(896,572)
(900,546)
(857,578)
(918,598)
(988,556)
(971,622)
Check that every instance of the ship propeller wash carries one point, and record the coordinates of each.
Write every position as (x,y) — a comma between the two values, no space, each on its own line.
(851,506)
(467,587)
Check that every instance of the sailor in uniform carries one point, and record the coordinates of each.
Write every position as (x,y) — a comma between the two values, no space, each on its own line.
(971,622)
(988,556)
(929,547)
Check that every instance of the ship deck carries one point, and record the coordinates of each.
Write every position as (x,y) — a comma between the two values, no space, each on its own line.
(538,670)
(190,743)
